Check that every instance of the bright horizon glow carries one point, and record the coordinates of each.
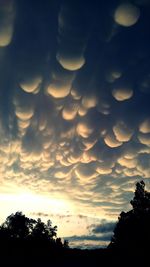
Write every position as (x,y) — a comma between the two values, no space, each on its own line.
(29,202)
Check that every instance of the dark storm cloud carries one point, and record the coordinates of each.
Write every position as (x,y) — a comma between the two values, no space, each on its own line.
(104,227)
(104,237)
(74,99)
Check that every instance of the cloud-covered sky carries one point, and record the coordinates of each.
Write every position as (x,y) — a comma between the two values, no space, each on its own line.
(74,111)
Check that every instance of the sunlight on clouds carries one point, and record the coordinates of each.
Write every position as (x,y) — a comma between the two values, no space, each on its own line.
(89,101)
(69,112)
(82,111)
(27,201)
(126,14)
(111,141)
(75,94)
(144,139)
(23,124)
(61,82)
(83,129)
(103,170)
(122,94)
(24,114)
(89,143)
(71,63)
(31,85)
(6,35)
(129,163)
(85,171)
(122,132)
(71,44)
(145,126)
(7,10)
(58,89)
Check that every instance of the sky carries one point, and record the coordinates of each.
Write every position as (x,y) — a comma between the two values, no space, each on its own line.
(74,112)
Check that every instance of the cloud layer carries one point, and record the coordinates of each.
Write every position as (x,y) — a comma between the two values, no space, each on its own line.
(74,100)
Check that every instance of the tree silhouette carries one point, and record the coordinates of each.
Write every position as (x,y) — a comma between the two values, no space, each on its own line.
(18,227)
(141,200)
(66,244)
(132,231)
(43,232)
(24,239)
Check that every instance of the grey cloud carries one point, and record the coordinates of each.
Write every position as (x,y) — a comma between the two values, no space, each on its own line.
(104,227)
(104,237)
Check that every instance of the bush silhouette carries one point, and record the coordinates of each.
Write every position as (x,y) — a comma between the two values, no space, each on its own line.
(132,231)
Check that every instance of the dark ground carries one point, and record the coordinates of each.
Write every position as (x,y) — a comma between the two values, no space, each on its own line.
(72,258)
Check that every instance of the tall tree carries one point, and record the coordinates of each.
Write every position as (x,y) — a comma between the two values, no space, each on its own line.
(44,231)
(18,225)
(133,228)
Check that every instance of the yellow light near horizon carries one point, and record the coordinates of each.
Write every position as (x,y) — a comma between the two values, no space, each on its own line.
(29,202)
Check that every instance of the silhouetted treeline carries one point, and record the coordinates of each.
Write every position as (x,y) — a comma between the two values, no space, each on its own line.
(28,242)
(19,229)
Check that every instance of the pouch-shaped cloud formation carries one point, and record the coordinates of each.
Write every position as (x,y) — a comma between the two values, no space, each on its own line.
(144,139)
(126,14)
(129,163)
(7,11)
(113,75)
(89,101)
(103,170)
(69,112)
(57,89)
(84,129)
(145,126)
(61,82)
(122,94)
(31,85)
(111,141)
(122,132)
(24,114)
(71,40)
(70,62)
(86,171)
(82,111)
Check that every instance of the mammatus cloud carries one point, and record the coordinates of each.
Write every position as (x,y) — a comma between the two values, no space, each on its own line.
(74,102)
(61,82)
(126,14)
(71,38)
(144,127)
(111,141)
(7,10)
(122,132)
(31,85)
(122,94)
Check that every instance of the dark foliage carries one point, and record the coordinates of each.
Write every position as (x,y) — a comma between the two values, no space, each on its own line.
(19,230)
(28,242)
(132,232)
